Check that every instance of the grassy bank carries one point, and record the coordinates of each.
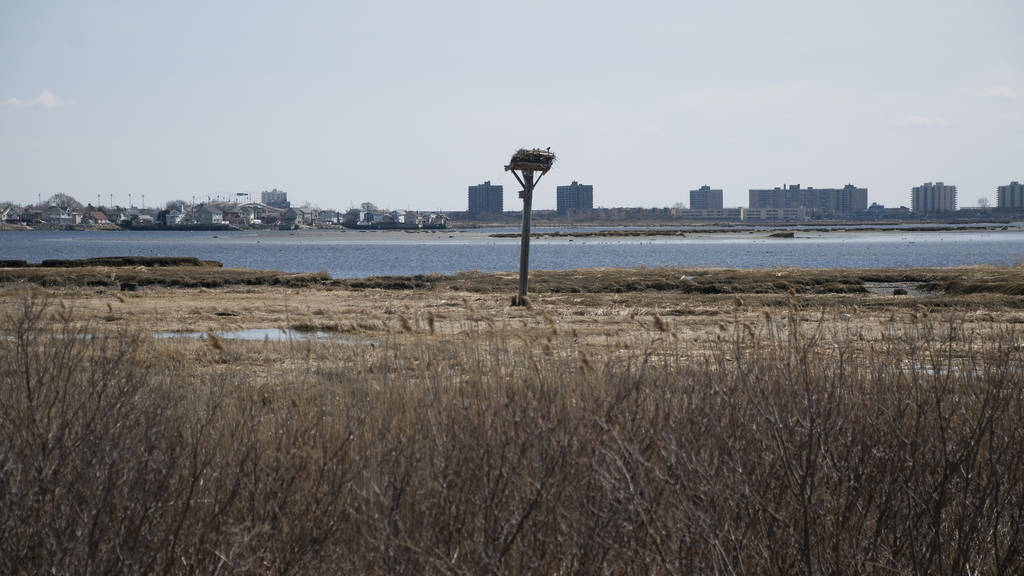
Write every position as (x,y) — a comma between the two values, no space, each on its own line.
(772,444)
(191,273)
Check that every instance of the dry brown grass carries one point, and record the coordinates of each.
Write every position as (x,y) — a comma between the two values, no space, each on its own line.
(1008,280)
(188,276)
(960,280)
(473,439)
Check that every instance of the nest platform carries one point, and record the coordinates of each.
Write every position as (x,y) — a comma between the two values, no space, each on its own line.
(535,159)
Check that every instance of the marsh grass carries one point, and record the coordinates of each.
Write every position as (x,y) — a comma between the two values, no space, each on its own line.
(769,448)
(1007,280)
(955,281)
(178,276)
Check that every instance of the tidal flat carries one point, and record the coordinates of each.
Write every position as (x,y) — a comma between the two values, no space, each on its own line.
(647,421)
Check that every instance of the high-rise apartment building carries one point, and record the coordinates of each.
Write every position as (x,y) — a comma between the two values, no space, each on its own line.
(823,201)
(1011,196)
(785,197)
(486,198)
(846,200)
(937,197)
(276,198)
(705,198)
(575,197)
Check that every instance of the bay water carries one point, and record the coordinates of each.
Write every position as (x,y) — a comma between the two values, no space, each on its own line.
(352,254)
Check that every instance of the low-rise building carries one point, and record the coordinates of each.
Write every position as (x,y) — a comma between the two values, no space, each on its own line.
(295,217)
(327,217)
(95,217)
(718,214)
(61,216)
(117,215)
(175,217)
(208,215)
(11,214)
(247,215)
(775,213)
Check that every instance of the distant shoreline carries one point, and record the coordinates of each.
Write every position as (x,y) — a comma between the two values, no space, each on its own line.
(779,231)
(574,230)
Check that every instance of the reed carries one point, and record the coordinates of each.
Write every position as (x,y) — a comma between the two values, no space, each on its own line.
(769,447)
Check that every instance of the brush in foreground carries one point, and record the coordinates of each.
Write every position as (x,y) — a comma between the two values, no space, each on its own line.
(776,450)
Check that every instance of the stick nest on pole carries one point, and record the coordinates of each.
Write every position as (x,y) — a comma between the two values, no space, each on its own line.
(534,159)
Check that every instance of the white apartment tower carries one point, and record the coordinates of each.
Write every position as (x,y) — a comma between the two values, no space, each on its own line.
(1011,196)
(937,197)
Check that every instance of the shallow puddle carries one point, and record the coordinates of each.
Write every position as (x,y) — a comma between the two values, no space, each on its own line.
(266,334)
(910,288)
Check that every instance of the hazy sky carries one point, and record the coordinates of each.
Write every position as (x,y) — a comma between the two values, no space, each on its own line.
(406,103)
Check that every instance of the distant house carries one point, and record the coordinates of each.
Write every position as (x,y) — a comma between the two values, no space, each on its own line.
(175,217)
(238,215)
(31,216)
(229,214)
(433,219)
(352,216)
(327,217)
(294,217)
(269,218)
(10,215)
(209,216)
(117,215)
(97,217)
(61,216)
(246,215)
(53,213)
(372,218)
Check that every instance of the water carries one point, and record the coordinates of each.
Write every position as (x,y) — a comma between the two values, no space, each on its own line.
(355,254)
(261,334)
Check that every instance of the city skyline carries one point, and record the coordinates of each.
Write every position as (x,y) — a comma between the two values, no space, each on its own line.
(848,199)
(341,102)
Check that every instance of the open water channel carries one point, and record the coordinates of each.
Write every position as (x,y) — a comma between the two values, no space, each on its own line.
(353,254)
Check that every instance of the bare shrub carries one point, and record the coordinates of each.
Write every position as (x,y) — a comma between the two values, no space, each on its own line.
(782,449)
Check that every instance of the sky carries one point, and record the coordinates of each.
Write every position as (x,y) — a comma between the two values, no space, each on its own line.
(406,103)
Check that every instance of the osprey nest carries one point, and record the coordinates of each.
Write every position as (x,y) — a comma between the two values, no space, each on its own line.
(535,159)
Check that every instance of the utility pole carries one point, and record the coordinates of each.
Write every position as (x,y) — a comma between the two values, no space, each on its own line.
(527,162)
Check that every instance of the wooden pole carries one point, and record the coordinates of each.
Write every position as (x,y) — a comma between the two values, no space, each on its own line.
(524,251)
